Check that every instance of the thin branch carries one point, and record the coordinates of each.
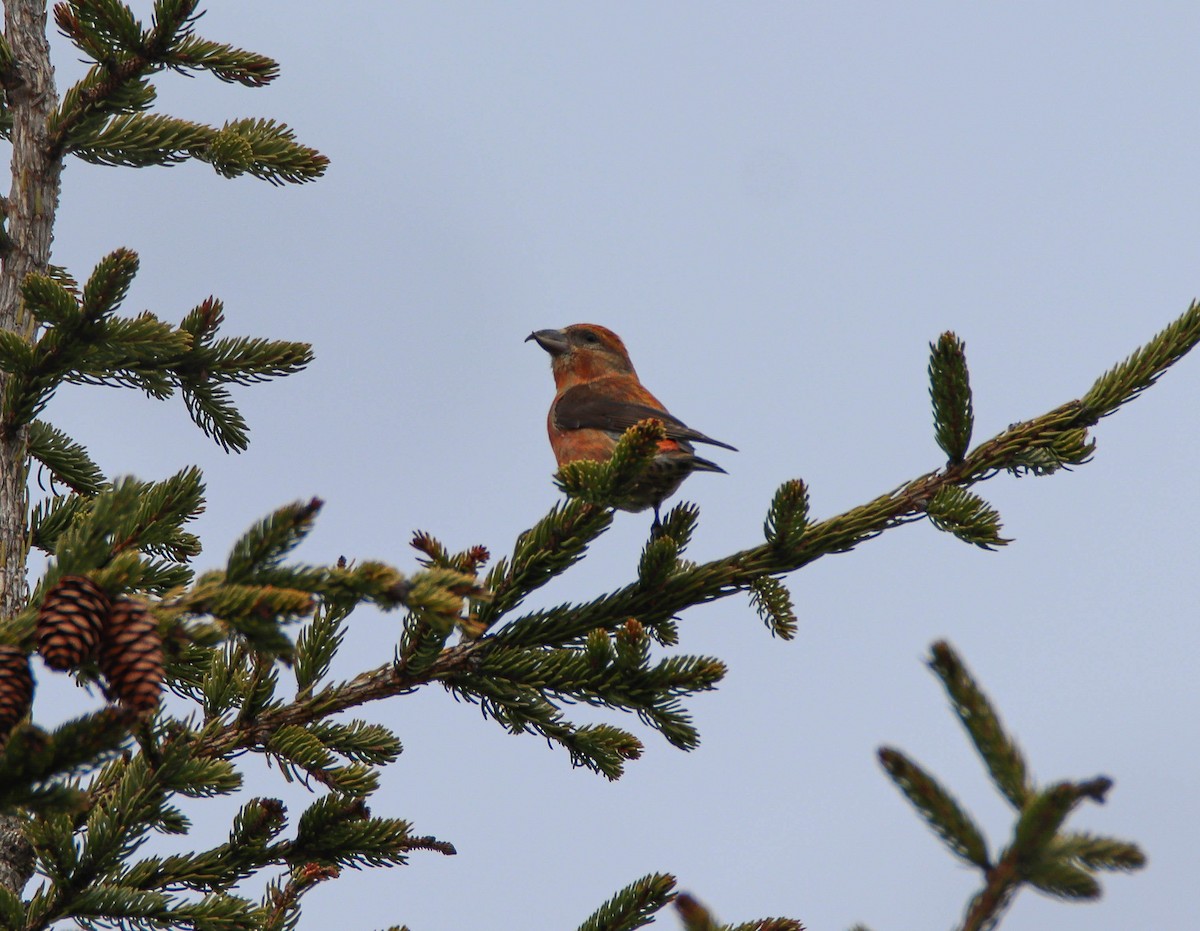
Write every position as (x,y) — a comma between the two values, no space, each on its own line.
(707,582)
(737,572)
(375,684)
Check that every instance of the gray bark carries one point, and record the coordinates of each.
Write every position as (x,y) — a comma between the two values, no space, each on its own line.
(30,209)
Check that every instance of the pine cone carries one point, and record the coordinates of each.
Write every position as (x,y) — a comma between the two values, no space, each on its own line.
(73,614)
(16,688)
(131,655)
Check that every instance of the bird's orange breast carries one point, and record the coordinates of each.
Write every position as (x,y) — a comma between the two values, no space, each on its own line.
(573,445)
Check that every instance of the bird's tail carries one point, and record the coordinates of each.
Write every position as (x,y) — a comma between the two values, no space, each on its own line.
(705,465)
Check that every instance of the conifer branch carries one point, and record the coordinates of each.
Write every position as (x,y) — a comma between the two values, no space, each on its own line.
(67,460)
(373,685)
(1127,380)
(544,551)
(950,391)
(1058,436)
(520,673)
(263,148)
(101,118)
(1005,763)
(1061,864)
(696,917)
(773,602)
(634,906)
(36,764)
(1097,853)
(938,807)
(95,788)
(787,518)
(137,140)
(966,516)
(282,899)
(84,341)
(563,654)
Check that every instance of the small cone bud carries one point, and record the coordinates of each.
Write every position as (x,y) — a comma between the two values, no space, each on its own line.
(70,620)
(131,655)
(16,688)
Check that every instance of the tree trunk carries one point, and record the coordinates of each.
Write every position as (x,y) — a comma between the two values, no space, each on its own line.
(30,210)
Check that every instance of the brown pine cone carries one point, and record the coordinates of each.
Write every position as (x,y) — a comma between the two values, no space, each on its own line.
(69,623)
(131,655)
(16,688)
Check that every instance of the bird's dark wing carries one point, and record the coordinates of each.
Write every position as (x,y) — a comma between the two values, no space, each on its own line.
(587,407)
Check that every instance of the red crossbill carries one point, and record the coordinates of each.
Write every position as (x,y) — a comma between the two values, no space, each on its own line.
(600,397)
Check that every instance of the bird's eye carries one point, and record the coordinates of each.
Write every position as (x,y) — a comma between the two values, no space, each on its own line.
(589,337)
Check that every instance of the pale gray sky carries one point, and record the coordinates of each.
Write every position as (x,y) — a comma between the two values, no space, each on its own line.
(778,206)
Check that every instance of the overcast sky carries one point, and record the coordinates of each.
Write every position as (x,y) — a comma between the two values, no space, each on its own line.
(778,206)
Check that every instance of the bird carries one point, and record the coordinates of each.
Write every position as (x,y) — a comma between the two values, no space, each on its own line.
(599,396)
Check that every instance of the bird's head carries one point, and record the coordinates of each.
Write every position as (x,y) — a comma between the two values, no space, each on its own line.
(583,351)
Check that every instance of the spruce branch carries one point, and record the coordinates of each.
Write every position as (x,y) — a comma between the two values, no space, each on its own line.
(1069,448)
(227,628)
(229,64)
(967,516)
(67,461)
(621,676)
(84,341)
(788,515)
(101,117)
(1059,863)
(1064,880)
(679,524)
(1000,753)
(300,752)
(316,645)
(634,906)
(12,909)
(1097,853)
(544,551)
(129,538)
(520,709)
(37,766)
(521,671)
(356,740)
(950,391)
(696,917)
(1022,861)
(99,27)
(81,329)
(938,807)
(107,286)
(1126,381)
(282,899)
(340,831)
(136,804)
(262,148)
(773,602)
(659,559)
(1060,428)
(106,903)
(137,140)
(608,483)
(256,556)
(51,518)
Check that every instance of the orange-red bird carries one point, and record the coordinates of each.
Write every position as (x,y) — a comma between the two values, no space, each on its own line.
(600,397)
